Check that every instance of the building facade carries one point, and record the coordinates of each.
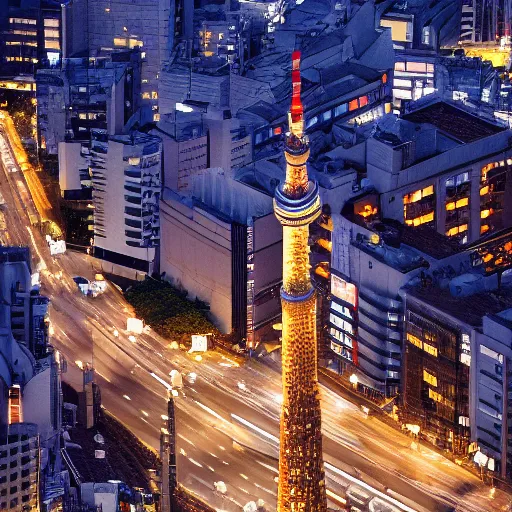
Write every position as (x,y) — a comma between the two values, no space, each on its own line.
(126,173)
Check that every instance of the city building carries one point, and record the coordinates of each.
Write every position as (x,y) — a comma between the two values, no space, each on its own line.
(198,136)
(444,167)
(301,482)
(486,21)
(489,407)
(454,364)
(220,242)
(30,400)
(30,36)
(126,173)
(118,24)
(85,93)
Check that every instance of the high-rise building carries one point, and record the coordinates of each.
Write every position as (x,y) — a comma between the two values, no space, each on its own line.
(130,24)
(296,205)
(126,190)
(29,36)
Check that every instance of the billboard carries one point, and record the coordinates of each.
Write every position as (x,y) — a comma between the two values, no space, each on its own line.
(347,292)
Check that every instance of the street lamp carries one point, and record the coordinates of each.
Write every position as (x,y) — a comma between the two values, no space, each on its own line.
(353,380)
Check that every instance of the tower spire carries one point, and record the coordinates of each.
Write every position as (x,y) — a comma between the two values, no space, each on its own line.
(297,204)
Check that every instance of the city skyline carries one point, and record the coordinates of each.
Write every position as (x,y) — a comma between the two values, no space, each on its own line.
(267,245)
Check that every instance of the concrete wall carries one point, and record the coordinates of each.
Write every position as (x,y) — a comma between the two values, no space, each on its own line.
(70,163)
(196,254)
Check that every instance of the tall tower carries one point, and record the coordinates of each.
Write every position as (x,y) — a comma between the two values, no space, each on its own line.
(296,205)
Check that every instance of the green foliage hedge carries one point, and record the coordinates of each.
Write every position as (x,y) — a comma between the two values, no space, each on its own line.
(167,310)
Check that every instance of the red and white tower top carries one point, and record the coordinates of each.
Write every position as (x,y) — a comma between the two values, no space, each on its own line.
(296,117)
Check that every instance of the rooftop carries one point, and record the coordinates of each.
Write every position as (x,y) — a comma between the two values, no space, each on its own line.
(469,310)
(430,242)
(455,122)
(400,258)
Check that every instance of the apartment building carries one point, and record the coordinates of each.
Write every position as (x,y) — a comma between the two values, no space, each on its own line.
(126,174)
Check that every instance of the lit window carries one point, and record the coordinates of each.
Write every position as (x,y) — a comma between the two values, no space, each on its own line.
(425,35)
(429,349)
(132,43)
(417,67)
(429,378)
(24,32)
(52,45)
(401,82)
(51,22)
(23,21)
(414,340)
(51,33)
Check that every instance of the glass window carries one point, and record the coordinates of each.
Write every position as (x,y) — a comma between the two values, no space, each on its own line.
(311,122)
(51,33)
(417,67)
(51,22)
(52,45)
(340,110)
(353,105)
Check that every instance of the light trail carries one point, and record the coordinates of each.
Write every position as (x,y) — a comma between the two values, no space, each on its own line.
(364,485)
(330,467)
(211,411)
(162,381)
(255,428)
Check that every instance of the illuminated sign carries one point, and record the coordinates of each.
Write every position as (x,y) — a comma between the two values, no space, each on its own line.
(343,290)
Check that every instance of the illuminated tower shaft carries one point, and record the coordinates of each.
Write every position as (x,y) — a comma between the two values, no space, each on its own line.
(296,205)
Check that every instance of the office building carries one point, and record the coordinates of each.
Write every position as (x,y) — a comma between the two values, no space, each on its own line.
(30,36)
(220,242)
(198,136)
(115,24)
(126,172)
(99,92)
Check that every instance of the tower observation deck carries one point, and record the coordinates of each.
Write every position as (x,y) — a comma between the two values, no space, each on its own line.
(297,204)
